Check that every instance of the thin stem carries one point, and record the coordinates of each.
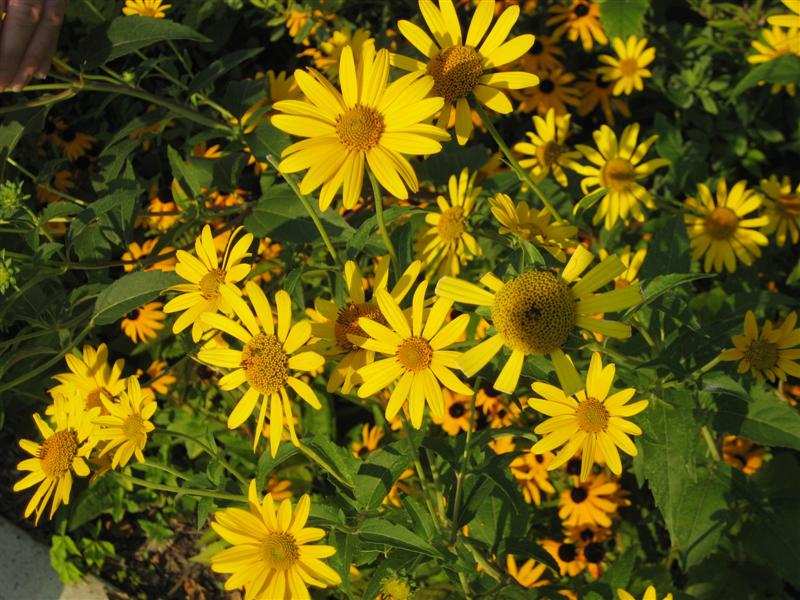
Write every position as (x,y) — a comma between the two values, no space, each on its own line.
(161,487)
(421,474)
(376,192)
(462,578)
(49,188)
(712,445)
(215,455)
(522,174)
(180,57)
(162,468)
(462,467)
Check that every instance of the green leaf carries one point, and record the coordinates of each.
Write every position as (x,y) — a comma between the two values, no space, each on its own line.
(764,417)
(589,200)
(267,464)
(439,167)
(219,67)
(14,127)
(188,173)
(381,531)
(125,35)
(668,252)
(621,18)
(661,284)
(784,69)
(522,547)
(386,567)
(379,472)
(131,291)
(61,548)
(335,460)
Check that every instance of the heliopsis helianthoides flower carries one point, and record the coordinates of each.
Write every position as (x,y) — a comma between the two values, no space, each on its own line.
(772,354)
(589,420)
(530,471)
(742,454)
(547,147)
(782,209)
(267,362)
(535,312)
(369,125)
(777,42)
(591,503)
(529,575)
(594,90)
(333,324)
(555,90)
(136,252)
(92,376)
(456,413)
(649,593)
(446,245)
(328,53)
(791,21)
(145,8)
(617,168)
(629,69)
(206,275)
(127,424)
(462,67)
(533,226)
(418,364)
(271,555)
(581,19)
(63,451)
(718,227)
(370,438)
(142,324)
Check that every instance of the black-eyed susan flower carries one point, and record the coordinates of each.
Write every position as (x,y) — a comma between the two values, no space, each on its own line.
(91,376)
(447,245)
(127,424)
(160,379)
(370,438)
(267,362)
(649,594)
(368,125)
(529,574)
(332,324)
(547,148)
(719,228)
(146,8)
(143,324)
(63,451)
(530,471)
(555,90)
(271,554)
(461,68)
(590,420)
(455,418)
(590,503)
(617,168)
(742,454)
(533,225)
(782,209)
(544,55)
(401,485)
(161,216)
(280,489)
(499,411)
(567,555)
(581,19)
(418,364)
(135,253)
(790,21)
(773,353)
(206,276)
(629,69)
(595,91)
(535,312)
(73,143)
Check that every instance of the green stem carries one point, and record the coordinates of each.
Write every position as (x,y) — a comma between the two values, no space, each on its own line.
(707,367)
(161,487)
(376,191)
(242,479)
(162,468)
(421,474)
(50,189)
(712,445)
(462,467)
(522,174)
(317,459)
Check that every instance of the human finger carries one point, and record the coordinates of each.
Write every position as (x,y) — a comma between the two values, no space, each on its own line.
(42,45)
(22,20)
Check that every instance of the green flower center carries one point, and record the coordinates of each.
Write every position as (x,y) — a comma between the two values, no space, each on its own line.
(209,284)
(618,174)
(762,354)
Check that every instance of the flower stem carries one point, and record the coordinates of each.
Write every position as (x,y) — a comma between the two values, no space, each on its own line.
(161,487)
(522,174)
(421,474)
(226,465)
(462,468)
(376,192)
(712,445)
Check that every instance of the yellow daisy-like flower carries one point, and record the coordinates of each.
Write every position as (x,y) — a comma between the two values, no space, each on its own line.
(271,555)
(555,90)
(62,453)
(742,454)
(461,67)
(529,575)
(136,252)
(206,276)
(595,91)
(773,353)
(446,245)
(279,488)
(535,312)
(629,69)
(719,229)
(161,216)
(589,504)
(419,365)
(142,324)
(370,438)
(791,21)
(455,418)
(545,54)
(333,324)
(92,376)
(74,143)
(777,42)
(617,168)
(547,147)
(127,424)
(782,209)
(649,593)
(589,420)
(532,225)
(145,8)
(367,125)
(581,19)
(530,471)
(328,53)
(266,362)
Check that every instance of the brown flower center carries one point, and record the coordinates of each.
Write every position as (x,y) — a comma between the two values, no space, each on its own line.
(360,127)
(347,323)
(629,67)
(721,223)
(789,206)
(209,284)
(456,71)
(451,224)
(592,416)
(265,363)
(762,354)
(550,152)
(618,174)
(280,550)
(415,354)
(57,453)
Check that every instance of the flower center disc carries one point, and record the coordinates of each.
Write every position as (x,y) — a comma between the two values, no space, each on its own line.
(455,71)
(457,410)
(280,550)
(534,312)
(721,223)
(546,86)
(58,452)
(762,355)
(451,224)
(629,67)
(264,363)
(209,284)
(592,416)
(347,323)
(789,205)
(360,127)
(415,354)
(133,427)
(549,153)
(617,174)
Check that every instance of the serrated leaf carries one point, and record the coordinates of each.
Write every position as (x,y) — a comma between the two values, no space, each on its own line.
(221,66)
(335,460)
(762,417)
(589,200)
(131,291)
(378,473)
(621,18)
(381,531)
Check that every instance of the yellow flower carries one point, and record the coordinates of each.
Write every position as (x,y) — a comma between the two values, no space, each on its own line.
(92,376)
(742,454)
(633,262)
(773,353)
(143,323)
(328,54)
(333,324)
(777,42)
(617,168)
(159,380)
(530,471)
(127,424)
(595,91)
(446,245)
(367,125)
(719,228)
(649,593)
(205,277)
(136,252)
(547,147)
(370,438)
(161,216)
(271,555)
(630,68)
(535,312)
(532,226)
(455,418)
(529,575)
(570,560)
(145,8)
(62,452)
(419,365)
(545,55)
(266,361)
(782,209)
(74,144)
(279,488)
(791,21)
(462,67)
(589,504)
(554,91)
(401,485)
(589,420)
(580,19)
